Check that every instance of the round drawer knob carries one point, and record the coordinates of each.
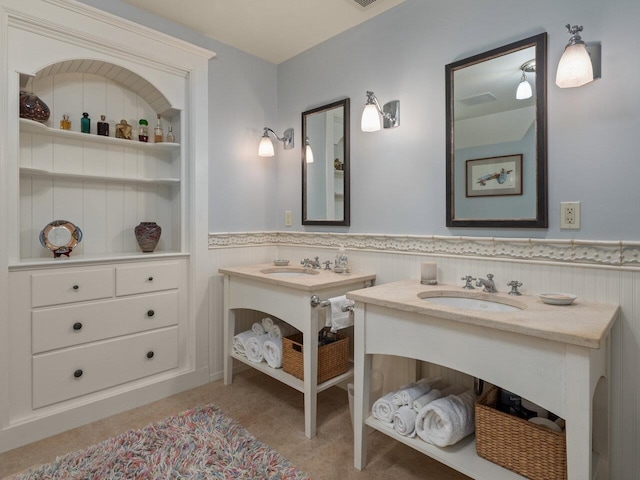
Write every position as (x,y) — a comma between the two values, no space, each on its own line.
(77,326)
(150,354)
(150,313)
(78,373)
(151,279)
(76,287)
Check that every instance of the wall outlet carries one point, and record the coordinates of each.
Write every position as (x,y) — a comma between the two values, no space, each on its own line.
(287,218)
(570,215)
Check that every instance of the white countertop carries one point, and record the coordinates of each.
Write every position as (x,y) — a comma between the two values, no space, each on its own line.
(582,323)
(317,279)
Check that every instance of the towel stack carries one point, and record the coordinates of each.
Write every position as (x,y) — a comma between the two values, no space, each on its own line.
(385,408)
(441,416)
(263,342)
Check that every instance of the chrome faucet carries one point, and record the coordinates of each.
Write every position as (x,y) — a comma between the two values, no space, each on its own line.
(467,282)
(308,263)
(488,284)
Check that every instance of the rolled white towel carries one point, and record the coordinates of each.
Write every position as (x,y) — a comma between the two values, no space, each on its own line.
(267,323)
(447,420)
(410,393)
(282,329)
(253,348)
(384,408)
(426,399)
(404,421)
(240,340)
(272,351)
(258,329)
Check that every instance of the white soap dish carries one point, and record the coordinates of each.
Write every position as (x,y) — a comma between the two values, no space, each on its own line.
(281,263)
(558,298)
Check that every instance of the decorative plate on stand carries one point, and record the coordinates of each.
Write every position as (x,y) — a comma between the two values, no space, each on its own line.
(61,237)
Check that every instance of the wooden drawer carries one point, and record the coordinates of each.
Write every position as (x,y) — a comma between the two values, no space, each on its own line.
(77,371)
(74,285)
(145,278)
(60,327)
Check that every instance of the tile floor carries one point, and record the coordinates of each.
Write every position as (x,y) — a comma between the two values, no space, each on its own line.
(273,413)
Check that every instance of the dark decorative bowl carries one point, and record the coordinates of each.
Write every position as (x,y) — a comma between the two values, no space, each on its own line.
(33,108)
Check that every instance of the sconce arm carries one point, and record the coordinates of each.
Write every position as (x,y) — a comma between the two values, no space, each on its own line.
(287,138)
(373,100)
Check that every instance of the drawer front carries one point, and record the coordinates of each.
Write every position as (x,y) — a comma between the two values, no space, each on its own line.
(146,278)
(77,371)
(60,327)
(75,285)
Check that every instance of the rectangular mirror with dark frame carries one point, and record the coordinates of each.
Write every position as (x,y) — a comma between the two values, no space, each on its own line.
(325,165)
(497,137)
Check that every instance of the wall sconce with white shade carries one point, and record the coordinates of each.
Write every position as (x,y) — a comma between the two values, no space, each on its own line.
(524,90)
(265,149)
(308,153)
(580,63)
(371,115)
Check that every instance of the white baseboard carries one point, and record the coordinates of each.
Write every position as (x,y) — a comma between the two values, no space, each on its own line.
(81,412)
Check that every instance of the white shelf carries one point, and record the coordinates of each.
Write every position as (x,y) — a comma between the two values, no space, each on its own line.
(461,456)
(290,380)
(38,172)
(79,259)
(31,126)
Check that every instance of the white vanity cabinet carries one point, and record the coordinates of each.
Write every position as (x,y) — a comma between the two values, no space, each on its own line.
(283,293)
(555,356)
(109,327)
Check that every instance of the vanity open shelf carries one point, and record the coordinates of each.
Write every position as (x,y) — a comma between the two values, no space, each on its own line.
(290,380)
(461,456)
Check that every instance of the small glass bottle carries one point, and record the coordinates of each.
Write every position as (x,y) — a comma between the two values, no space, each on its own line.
(103,127)
(85,123)
(143,130)
(157,132)
(341,264)
(65,123)
(170,137)
(123,130)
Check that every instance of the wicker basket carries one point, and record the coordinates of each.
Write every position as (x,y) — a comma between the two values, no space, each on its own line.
(518,445)
(333,358)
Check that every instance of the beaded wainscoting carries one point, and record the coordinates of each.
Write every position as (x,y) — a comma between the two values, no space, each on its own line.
(596,271)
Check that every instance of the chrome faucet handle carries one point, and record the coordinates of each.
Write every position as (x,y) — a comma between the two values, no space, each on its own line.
(514,284)
(468,279)
(327,265)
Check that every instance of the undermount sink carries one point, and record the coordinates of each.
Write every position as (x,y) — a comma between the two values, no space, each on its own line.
(469,303)
(289,272)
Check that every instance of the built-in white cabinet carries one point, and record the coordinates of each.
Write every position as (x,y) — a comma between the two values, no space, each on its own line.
(109,326)
(85,329)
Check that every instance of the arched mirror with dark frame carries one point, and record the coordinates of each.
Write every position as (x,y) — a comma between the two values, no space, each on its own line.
(325,165)
(496,169)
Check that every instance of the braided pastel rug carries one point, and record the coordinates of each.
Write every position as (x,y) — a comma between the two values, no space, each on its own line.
(202,443)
